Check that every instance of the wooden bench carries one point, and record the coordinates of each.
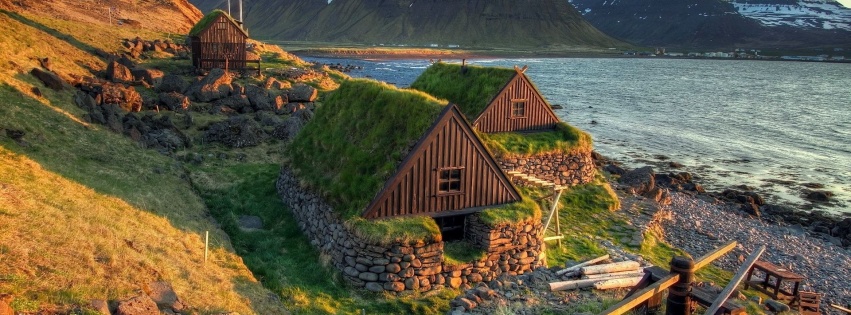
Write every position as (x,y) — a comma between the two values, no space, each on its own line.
(772,288)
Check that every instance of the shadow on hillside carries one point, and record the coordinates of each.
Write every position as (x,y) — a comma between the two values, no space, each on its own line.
(59,35)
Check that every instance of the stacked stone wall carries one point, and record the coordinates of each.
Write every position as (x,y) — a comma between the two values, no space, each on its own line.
(510,248)
(559,168)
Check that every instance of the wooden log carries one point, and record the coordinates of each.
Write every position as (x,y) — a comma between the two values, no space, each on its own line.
(636,299)
(617,283)
(609,268)
(622,274)
(572,284)
(583,264)
(839,307)
(743,269)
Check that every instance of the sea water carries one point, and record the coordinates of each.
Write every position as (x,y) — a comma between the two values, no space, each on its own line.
(776,127)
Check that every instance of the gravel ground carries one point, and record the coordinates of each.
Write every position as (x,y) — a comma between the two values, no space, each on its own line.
(697,226)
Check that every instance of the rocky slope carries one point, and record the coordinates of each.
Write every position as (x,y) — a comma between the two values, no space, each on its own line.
(708,24)
(471,23)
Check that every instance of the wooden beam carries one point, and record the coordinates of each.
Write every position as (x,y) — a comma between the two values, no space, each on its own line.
(580,265)
(713,255)
(743,270)
(839,307)
(636,299)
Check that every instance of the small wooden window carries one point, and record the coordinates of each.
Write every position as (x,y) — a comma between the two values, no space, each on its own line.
(449,180)
(222,25)
(518,109)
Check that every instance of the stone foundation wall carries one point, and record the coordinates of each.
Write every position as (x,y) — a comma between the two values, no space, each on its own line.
(562,169)
(511,248)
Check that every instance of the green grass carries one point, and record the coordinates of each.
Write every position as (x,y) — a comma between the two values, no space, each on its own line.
(564,139)
(405,230)
(526,209)
(357,140)
(586,211)
(207,19)
(282,257)
(87,214)
(471,91)
(460,252)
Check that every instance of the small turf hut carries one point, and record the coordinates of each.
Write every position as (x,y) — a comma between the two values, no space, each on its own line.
(377,151)
(494,99)
(218,41)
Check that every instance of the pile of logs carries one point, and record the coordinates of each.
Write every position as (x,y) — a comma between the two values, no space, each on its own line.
(599,275)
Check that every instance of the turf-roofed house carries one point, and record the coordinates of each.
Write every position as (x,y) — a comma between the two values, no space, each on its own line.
(515,122)
(399,191)
(219,41)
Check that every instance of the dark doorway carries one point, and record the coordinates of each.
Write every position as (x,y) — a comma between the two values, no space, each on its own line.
(451,227)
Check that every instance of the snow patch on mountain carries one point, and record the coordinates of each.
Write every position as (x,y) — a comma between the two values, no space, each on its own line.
(805,14)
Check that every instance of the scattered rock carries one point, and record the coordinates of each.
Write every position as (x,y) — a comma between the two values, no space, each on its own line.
(819,196)
(174,101)
(125,97)
(302,93)
(776,306)
(250,222)
(639,181)
(100,307)
(50,79)
(118,73)
(5,301)
(137,305)
(172,83)
(153,77)
(259,98)
(236,132)
(614,169)
(216,85)
(17,135)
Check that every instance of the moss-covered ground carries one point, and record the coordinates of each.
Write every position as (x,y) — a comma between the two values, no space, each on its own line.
(564,139)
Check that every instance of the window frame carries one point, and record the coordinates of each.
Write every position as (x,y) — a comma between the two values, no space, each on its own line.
(449,180)
(514,108)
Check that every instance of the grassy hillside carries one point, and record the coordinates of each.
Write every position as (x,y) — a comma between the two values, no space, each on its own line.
(477,24)
(86,213)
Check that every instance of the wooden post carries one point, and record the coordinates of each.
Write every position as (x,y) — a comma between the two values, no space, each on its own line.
(556,201)
(206,244)
(580,265)
(679,301)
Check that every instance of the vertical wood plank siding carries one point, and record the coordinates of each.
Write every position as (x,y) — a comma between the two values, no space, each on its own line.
(211,44)
(497,116)
(413,191)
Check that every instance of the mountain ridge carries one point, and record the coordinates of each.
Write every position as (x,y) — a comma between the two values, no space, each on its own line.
(472,23)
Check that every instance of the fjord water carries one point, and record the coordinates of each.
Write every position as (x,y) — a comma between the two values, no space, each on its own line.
(773,126)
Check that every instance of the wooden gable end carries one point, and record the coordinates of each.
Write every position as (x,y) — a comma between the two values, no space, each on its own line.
(450,147)
(220,45)
(501,115)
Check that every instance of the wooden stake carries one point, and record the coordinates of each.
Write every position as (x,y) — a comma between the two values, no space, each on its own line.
(586,263)
(609,268)
(206,244)
(740,275)
(713,255)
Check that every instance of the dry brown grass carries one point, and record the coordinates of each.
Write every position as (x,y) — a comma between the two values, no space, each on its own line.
(64,243)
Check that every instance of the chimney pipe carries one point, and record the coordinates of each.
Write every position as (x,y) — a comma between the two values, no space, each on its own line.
(229,14)
(240,12)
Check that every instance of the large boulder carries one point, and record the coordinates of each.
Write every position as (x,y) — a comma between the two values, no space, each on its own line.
(50,79)
(302,93)
(151,76)
(639,181)
(259,98)
(118,73)
(216,85)
(137,305)
(236,132)
(124,96)
(174,101)
(238,103)
(172,83)
(274,84)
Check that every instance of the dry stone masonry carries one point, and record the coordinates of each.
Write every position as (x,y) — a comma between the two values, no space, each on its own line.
(511,249)
(559,168)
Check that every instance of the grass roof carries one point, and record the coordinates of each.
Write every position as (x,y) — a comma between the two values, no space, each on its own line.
(357,140)
(471,90)
(209,18)
(564,138)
